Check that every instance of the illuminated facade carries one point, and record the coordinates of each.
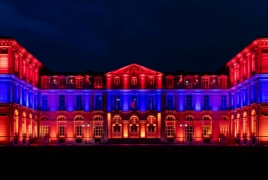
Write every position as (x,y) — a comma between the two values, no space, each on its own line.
(40,106)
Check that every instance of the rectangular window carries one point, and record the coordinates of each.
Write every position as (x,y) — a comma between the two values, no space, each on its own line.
(117,81)
(44,131)
(151,81)
(169,102)
(117,128)
(61,102)
(62,82)
(98,131)
(117,102)
(79,82)
(61,131)
(189,102)
(30,99)
(170,131)
(98,82)
(206,131)
(45,82)
(238,99)
(134,102)
(151,102)
(189,133)
(223,102)
(98,102)
(169,82)
(79,102)
(224,130)
(206,102)
(16,93)
(78,131)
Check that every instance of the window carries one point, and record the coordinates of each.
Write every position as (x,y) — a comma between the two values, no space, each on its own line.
(44,103)
(134,102)
(61,102)
(61,131)
(44,118)
(98,82)
(98,102)
(170,118)
(206,118)
(98,130)
(206,102)
(79,82)
(117,102)
(4,51)
(206,131)
(223,118)
(222,82)
(61,118)
(16,93)
(116,81)
(16,63)
(98,118)
(134,81)
(62,82)
(224,130)
(151,80)
(188,82)
(134,128)
(169,102)
(189,105)
(78,131)
(151,102)
(44,131)
(205,82)
(169,82)
(189,118)
(223,102)
(170,131)
(116,128)
(79,118)
(189,133)
(45,82)
(79,102)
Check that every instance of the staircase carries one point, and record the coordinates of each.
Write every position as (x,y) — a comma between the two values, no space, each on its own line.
(134,141)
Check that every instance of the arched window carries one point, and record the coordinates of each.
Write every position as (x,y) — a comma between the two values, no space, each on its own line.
(116,119)
(170,118)
(133,119)
(62,118)
(45,118)
(134,81)
(224,118)
(151,119)
(116,81)
(206,118)
(4,51)
(189,118)
(79,118)
(98,118)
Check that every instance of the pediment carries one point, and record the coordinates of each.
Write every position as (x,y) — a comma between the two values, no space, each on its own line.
(134,69)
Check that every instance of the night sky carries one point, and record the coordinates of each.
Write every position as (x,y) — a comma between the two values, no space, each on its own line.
(103,35)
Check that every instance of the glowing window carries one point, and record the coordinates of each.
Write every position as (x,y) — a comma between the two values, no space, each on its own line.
(79,81)
(134,81)
(206,131)
(98,118)
(62,118)
(61,131)
(44,131)
(117,81)
(78,131)
(170,131)
(116,119)
(98,131)
(133,119)
(151,80)
(79,118)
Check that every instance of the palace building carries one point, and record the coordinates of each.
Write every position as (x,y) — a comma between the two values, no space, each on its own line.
(133,102)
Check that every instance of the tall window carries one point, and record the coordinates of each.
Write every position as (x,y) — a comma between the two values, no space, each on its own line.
(78,131)
(79,102)
(79,82)
(189,102)
(223,102)
(98,130)
(151,102)
(169,102)
(45,82)
(61,102)
(117,102)
(189,133)
(134,102)
(205,82)
(61,131)
(151,80)
(134,81)
(206,131)
(98,82)
(98,102)
(62,82)
(170,131)
(238,99)
(44,131)
(169,82)
(206,102)
(16,92)
(116,81)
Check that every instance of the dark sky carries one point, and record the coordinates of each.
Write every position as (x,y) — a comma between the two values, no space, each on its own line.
(164,35)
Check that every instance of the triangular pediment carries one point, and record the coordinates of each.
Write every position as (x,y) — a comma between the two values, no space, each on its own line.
(134,69)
